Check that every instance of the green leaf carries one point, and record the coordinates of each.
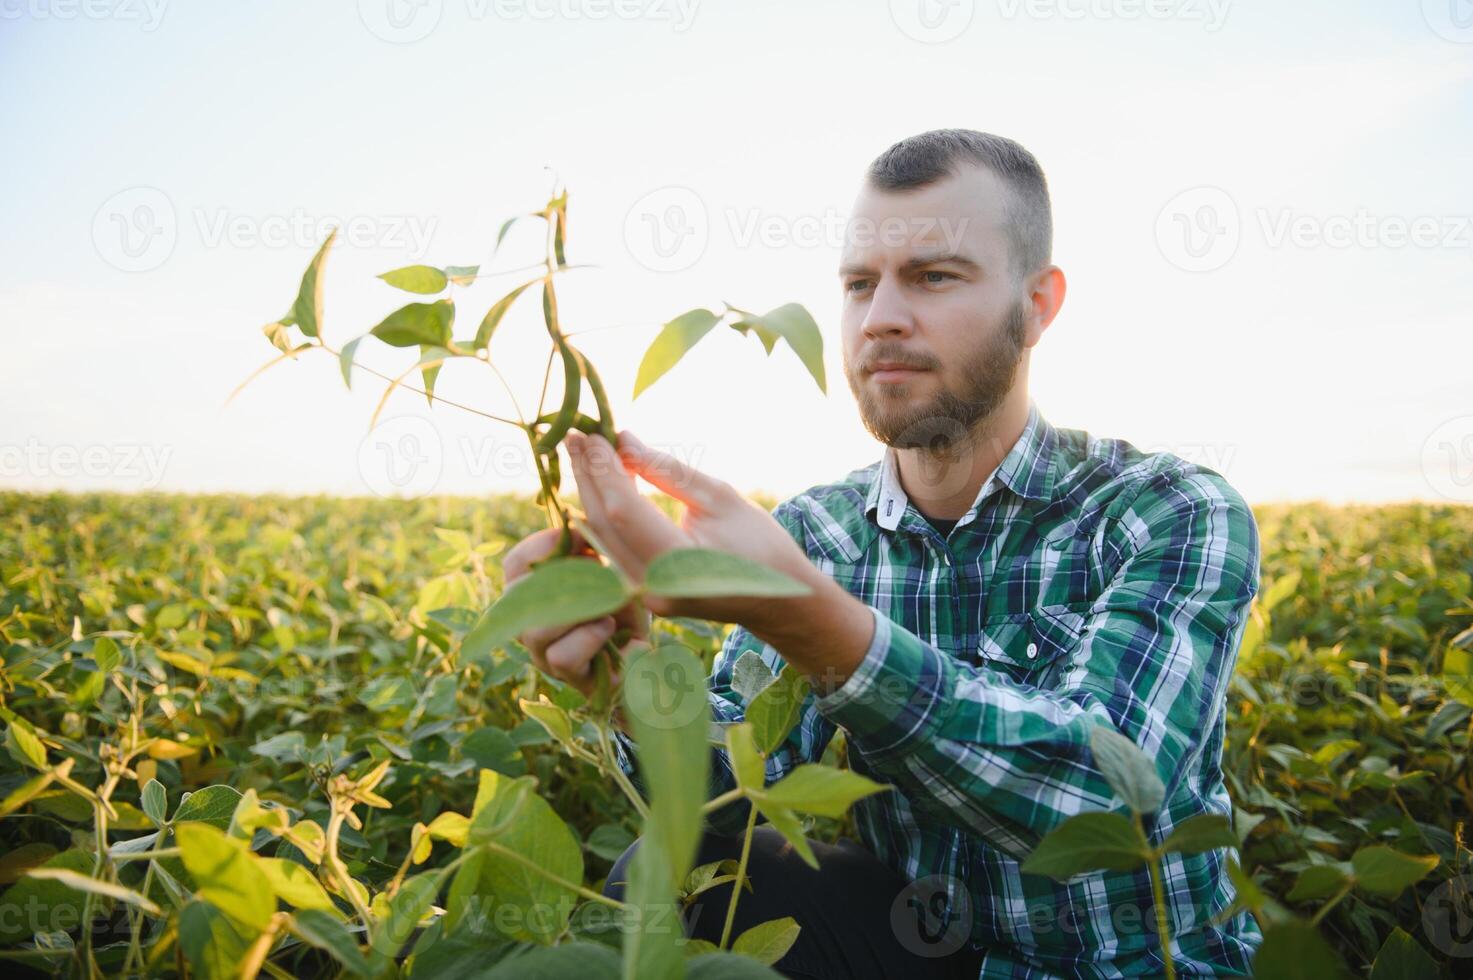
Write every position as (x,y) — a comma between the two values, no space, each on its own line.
(767,942)
(155,802)
(690,573)
(493,316)
(1204,832)
(1295,950)
(307,310)
(746,760)
(282,747)
(551,717)
(774,711)
(460,898)
(822,790)
(214,805)
(786,822)
(726,966)
(425,279)
(408,906)
(586,961)
(213,944)
(1129,773)
(535,833)
(1384,871)
(492,748)
(24,745)
(675,339)
(328,933)
(1316,882)
(106,654)
(609,841)
(295,885)
(673,758)
(226,874)
(749,675)
(34,905)
(388,692)
(418,323)
(1402,958)
(652,948)
(557,592)
(794,324)
(345,359)
(431,359)
(1089,842)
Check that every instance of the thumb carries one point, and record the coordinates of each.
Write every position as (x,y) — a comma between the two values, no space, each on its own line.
(668,474)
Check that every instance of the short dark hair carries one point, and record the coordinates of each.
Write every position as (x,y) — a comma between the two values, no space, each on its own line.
(924,159)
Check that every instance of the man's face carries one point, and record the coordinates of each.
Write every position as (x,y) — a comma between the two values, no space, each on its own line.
(934,326)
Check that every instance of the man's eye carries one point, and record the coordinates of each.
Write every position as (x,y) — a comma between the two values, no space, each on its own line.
(943,276)
(855,285)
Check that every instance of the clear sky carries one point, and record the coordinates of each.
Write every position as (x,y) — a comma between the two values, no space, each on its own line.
(1264,211)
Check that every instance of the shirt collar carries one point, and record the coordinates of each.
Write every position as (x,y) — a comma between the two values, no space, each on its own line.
(1027,470)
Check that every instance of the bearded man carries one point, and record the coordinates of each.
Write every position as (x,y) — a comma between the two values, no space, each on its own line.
(981,598)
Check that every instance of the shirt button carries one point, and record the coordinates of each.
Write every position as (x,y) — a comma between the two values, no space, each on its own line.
(1032,650)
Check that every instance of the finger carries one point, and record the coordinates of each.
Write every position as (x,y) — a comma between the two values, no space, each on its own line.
(641,525)
(534,548)
(634,617)
(591,486)
(668,474)
(539,639)
(570,658)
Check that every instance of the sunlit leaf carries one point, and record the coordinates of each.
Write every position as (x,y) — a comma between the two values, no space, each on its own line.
(424,279)
(418,323)
(675,339)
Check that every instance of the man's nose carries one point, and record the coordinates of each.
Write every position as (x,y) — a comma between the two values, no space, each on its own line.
(889,314)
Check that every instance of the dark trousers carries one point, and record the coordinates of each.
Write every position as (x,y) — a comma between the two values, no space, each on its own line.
(858,918)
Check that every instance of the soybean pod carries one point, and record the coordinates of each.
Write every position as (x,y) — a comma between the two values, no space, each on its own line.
(605,413)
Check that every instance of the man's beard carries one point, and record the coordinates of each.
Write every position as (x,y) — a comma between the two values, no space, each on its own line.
(941,424)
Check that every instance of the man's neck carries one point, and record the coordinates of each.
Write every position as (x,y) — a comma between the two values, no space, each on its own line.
(944,486)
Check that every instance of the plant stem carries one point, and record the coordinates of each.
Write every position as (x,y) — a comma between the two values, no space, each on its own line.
(340,870)
(717,802)
(164,852)
(1158,894)
(1334,901)
(619,776)
(736,886)
(421,391)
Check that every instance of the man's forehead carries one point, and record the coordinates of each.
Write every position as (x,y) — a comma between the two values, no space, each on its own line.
(961,213)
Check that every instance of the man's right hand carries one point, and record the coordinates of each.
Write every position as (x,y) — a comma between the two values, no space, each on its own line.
(566,652)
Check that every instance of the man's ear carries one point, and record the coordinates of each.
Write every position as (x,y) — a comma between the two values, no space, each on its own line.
(1044,295)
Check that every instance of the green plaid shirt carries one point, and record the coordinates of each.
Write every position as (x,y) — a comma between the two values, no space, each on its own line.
(1089,582)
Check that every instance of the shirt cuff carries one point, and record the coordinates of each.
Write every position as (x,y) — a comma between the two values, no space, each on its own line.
(897,694)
